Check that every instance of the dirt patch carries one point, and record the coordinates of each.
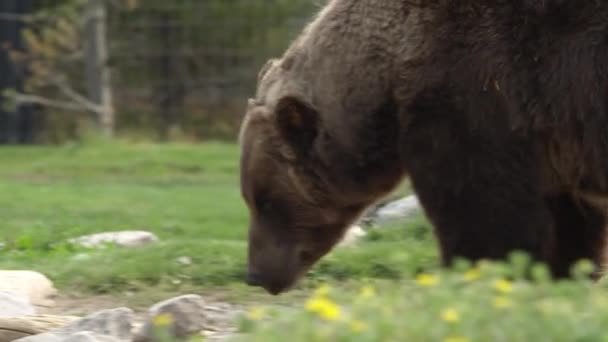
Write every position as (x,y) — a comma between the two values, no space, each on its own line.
(81,306)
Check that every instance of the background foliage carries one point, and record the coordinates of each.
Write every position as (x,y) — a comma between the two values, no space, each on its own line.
(180,69)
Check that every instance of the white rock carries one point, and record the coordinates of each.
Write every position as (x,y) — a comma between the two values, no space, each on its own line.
(13,305)
(126,238)
(352,235)
(34,286)
(398,210)
(184,260)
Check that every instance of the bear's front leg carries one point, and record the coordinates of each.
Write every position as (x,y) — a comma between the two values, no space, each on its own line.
(483,197)
(580,233)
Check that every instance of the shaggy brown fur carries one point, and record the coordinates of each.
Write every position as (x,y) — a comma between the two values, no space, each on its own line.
(496,110)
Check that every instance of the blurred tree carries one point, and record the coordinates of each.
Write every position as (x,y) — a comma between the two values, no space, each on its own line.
(58,39)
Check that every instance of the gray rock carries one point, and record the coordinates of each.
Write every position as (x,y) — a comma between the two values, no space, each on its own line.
(187,315)
(12,305)
(88,336)
(399,210)
(114,323)
(35,286)
(220,321)
(127,238)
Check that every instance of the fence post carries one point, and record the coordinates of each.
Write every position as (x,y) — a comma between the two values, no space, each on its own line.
(16,125)
(97,71)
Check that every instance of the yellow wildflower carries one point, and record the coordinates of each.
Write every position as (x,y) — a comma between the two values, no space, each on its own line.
(358,326)
(256,314)
(456,339)
(163,320)
(324,307)
(503,285)
(450,315)
(472,274)
(322,290)
(367,292)
(502,302)
(425,279)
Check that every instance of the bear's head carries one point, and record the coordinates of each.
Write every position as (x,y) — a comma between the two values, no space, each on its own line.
(320,140)
(296,213)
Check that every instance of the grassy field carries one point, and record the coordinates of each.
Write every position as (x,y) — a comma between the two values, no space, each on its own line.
(186,194)
(387,288)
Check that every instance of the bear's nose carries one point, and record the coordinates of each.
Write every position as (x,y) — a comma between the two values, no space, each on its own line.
(273,287)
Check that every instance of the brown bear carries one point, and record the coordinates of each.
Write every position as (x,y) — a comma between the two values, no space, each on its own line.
(496,111)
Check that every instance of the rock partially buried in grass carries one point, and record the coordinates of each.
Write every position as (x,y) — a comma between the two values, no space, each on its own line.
(33,286)
(181,317)
(126,238)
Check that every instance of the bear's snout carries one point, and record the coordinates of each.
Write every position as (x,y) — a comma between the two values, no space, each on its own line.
(271,285)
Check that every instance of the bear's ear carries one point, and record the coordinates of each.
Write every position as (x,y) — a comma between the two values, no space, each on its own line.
(264,70)
(297,123)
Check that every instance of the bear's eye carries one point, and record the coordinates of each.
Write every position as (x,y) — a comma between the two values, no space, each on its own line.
(266,207)
(264,204)
(272,209)
(259,199)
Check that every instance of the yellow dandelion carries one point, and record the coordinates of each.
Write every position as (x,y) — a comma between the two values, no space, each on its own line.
(367,292)
(456,339)
(358,326)
(163,320)
(502,302)
(324,307)
(503,285)
(425,279)
(450,315)
(322,290)
(256,313)
(472,274)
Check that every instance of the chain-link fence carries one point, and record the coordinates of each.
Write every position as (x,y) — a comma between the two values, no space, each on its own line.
(178,69)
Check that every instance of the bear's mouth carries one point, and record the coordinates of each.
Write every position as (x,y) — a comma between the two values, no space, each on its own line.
(276,283)
(272,286)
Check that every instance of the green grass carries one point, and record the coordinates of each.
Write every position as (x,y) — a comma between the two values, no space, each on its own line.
(186,194)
